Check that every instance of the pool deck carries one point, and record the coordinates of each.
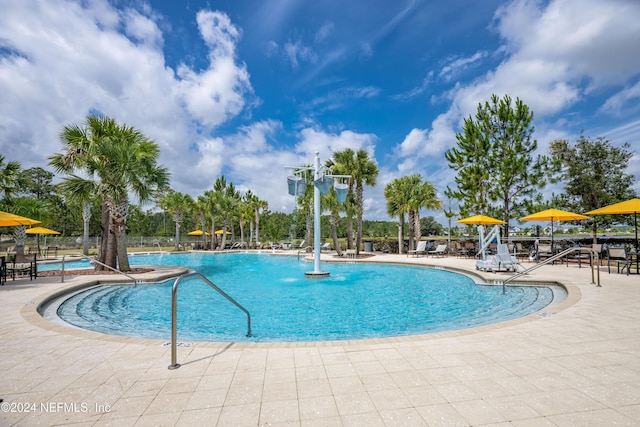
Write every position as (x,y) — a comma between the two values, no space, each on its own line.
(574,363)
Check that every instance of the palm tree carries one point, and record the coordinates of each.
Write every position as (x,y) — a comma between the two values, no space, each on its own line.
(395,194)
(178,205)
(422,196)
(9,174)
(210,201)
(330,203)
(120,160)
(27,207)
(363,172)
(255,203)
(305,202)
(81,191)
(202,207)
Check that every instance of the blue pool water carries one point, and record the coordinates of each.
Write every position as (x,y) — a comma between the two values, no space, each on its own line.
(356,301)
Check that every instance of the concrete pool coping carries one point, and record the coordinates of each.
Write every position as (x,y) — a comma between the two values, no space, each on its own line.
(574,363)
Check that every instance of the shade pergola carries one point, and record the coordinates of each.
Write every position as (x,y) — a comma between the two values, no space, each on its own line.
(631,206)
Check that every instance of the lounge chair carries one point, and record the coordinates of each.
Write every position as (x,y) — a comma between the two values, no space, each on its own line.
(461,251)
(518,251)
(421,248)
(23,266)
(325,247)
(544,251)
(501,261)
(3,270)
(618,256)
(440,250)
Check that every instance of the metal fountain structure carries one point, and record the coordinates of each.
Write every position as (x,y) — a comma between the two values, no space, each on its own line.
(323,180)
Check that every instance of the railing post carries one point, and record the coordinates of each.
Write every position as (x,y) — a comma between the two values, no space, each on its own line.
(174,313)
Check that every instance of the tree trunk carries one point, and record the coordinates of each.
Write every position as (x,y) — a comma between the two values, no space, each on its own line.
(359,209)
(86,217)
(400,233)
(309,237)
(335,220)
(177,246)
(104,235)
(257,226)
(411,223)
(119,219)
(214,238)
(416,227)
(20,236)
(202,227)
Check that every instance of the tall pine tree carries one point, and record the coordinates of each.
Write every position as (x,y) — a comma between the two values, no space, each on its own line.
(498,173)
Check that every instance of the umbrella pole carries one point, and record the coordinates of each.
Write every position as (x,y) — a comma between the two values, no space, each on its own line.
(635,223)
(552,253)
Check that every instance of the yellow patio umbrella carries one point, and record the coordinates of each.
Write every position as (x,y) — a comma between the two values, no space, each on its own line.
(9,220)
(39,231)
(631,206)
(480,220)
(553,215)
(198,233)
(218,232)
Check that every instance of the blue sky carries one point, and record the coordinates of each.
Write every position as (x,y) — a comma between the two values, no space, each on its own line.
(244,88)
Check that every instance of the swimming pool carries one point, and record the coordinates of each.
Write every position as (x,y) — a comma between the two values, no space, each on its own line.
(356,301)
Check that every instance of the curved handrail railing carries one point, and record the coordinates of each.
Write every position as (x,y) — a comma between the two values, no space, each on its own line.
(95,261)
(174,313)
(594,260)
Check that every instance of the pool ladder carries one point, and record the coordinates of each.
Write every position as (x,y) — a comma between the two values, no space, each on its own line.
(174,312)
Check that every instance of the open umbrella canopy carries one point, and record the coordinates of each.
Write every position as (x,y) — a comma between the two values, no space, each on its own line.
(198,233)
(479,220)
(218,232)
(553,215)
(41,230)
(631,206)
(9,220)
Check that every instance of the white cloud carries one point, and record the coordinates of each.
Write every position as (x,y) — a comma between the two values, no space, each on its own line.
(297,51)
(62,60)
(458,65)
(618,101)
(216,94)
(312,140)
(556,54)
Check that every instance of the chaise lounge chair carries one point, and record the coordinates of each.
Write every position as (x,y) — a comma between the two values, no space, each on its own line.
(421,248)
(501,261)
(440,250)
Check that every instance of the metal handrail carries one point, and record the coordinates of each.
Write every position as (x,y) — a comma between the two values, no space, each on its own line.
(95,261)
(174,313)
(594,260)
